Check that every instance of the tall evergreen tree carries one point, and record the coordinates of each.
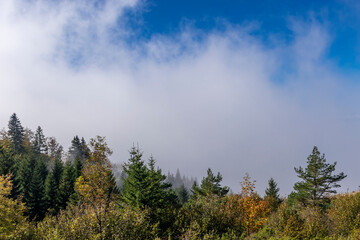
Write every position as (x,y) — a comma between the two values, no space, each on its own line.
(16,133)
(75,148)
(36,202)
(317,180)
(24,175)
(272,194)
(135,182)
(52,190)
(182,194)
(39,142)
(210,185)
(67,182)
(144,185)
(55,150)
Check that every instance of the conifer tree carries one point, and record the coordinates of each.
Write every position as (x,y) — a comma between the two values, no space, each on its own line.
(210,185)
(67,182)
(24,175)
(317,180)
(182,194)
(75,148)
(272,194)
(39,142)
(37,200)
(16,133)
(55,150)
(134,183)
(52,184)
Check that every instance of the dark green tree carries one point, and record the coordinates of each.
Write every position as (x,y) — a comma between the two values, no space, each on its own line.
(16,133)
(24,175)
(182,194)
(210,185)
(66,186)
(52,190)
(144,185)
(317,182)
(39,142)
(272,194)
(7,161)
(135,182)
(36,202)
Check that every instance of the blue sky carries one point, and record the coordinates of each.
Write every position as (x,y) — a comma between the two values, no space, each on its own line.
(270,17)
(237,86)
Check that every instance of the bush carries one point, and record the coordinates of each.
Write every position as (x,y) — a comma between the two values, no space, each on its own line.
(80,222)
(344,214)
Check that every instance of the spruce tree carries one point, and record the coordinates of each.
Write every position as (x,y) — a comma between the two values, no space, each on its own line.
(317,180)
(52,184)
(210,185)
(182,194)
(272,194)
(67,184)
(75,148)
(135,181)
(16,133)
(39,142)
(36,202)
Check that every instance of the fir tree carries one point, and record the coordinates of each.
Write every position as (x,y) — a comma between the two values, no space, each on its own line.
(210,185)
(182,194)
(317,180)
(272,194)
(135,182)
(36,200)
(39,142)
(16,133)
(52,185)
(67,184)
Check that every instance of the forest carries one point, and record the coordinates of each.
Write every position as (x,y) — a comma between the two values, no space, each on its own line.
(49,193)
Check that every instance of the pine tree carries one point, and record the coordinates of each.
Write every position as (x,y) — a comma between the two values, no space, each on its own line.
(52,185)
(67,184)
(272,194)
(182,194)
(135,182)
(75,148)
(16,133)
(317,180)
(39,142)
(24,175)
(85,151)
(54,149)
(210,185)
(7,161)
(37,200)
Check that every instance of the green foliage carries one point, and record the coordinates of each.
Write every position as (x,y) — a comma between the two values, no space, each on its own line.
(66,186)
(80,222)
(344,214)
(39,142)
(52,190)
(16,133)
(317,180)
(272,194)
(182,194)
(210,185)
(36,202)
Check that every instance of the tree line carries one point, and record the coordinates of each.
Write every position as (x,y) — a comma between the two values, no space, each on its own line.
(48,194)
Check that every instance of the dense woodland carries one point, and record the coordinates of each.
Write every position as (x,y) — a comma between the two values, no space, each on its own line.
(47,193)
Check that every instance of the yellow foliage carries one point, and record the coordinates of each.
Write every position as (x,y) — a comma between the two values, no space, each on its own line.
(13,224)
(247,209)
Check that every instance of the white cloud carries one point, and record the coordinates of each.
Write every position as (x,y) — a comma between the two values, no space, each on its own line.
(213,104)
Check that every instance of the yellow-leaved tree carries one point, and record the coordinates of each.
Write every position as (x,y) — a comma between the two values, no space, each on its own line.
(247,209)
(13,224)
(96,185)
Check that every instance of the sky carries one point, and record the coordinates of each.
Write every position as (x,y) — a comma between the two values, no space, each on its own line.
(235,86)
